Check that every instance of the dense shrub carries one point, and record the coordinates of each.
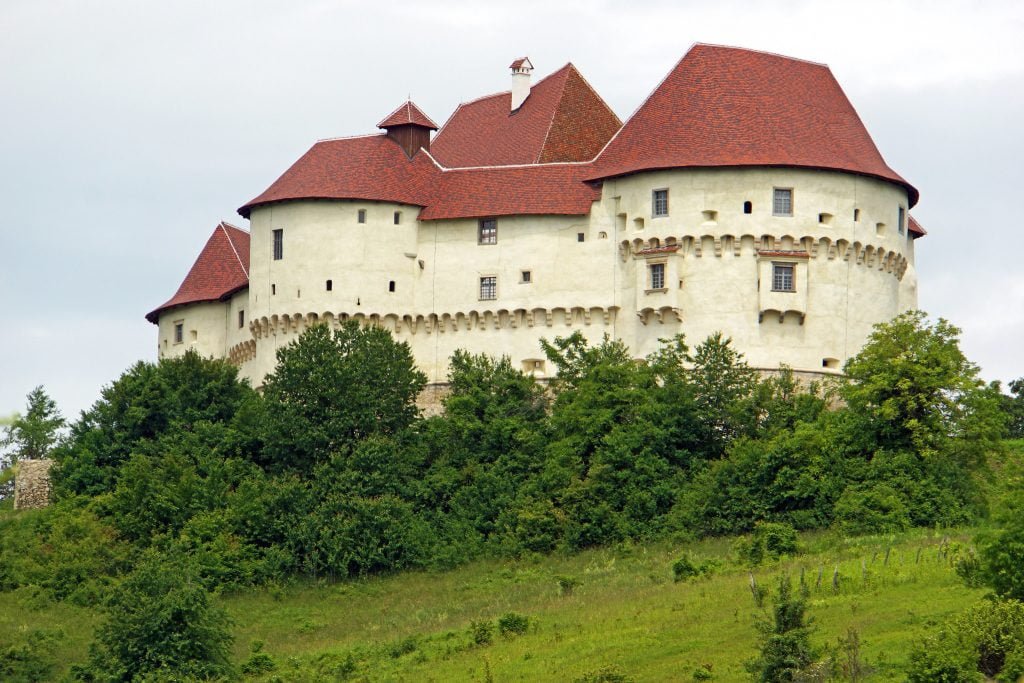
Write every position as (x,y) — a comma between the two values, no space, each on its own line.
(785,648)
(870,509)
(769,541)
(160,621)
(987,639)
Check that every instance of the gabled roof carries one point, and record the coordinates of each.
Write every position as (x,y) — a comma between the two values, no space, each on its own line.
(563,119)
(407,114)
(725,106)
(221,270)
(551,189)
(370,167)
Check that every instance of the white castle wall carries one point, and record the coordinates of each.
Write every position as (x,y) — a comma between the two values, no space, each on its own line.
(849,274)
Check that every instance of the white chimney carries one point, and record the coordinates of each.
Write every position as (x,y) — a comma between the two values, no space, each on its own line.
(521,69)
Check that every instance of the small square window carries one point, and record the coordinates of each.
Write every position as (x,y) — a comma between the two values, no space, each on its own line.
(278,244)
(241,319)
(361,215)
(782,277)
(398,217)
(179,332)
(657,271)
(487,231)
(527,277)
(782,202)
(659,203)
(488,288)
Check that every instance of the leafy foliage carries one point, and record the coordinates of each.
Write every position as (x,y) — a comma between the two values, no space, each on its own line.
(34,434)
(1001,550)
(785,639)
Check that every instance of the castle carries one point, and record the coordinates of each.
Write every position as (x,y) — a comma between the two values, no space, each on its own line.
(743,196)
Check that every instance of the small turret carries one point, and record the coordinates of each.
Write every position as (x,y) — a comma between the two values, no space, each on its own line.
(409,127)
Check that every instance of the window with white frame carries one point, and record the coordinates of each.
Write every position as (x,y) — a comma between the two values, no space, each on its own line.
(782,201)
(659,203)
(782,277)
(657,275)
(487,231)
(488,287)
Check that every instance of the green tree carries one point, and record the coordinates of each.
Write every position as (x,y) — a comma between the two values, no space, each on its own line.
(914,390)
(332,389)
(146,402)
(33,435)
(785,639)
(724,386)
(1013,406)
(160,622)
(1001,550)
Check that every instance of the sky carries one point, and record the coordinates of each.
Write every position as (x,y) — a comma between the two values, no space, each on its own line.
(130,128)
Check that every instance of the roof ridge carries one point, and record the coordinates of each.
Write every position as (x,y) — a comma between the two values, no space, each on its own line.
(530,165)
(554,110)
(231,225)
(760,52)
(223,226)
(353,137)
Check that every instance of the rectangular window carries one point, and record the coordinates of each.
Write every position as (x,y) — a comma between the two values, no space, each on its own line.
(657,275)
(361,215)
(488,288)
(398,217)
(278,244)
(782,277)
(782,202)
(659,203)
(580,237)
(527,277)
(179,332)
(241,319)
(901,220)
(487,233)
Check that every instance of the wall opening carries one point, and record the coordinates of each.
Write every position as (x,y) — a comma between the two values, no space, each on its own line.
(391,285)
(580,237)
(879,229)
(748,207)
(830,363)
(330,285)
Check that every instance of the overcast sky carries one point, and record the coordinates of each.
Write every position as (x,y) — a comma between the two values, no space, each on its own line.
(129,129)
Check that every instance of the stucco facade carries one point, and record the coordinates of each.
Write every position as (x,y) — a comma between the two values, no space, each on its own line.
(794,261)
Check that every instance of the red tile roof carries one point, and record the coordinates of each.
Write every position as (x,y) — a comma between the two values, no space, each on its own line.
(221,270)
(407,114)
(551,189)
(563,119)
(371,167)
(914,227)
(724,106)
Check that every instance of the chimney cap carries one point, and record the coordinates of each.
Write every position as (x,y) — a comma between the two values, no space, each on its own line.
(521,65)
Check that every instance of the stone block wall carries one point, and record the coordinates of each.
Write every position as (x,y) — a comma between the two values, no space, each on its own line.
(32,484)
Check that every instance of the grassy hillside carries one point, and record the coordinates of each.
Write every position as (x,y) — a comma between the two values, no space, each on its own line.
(624,614)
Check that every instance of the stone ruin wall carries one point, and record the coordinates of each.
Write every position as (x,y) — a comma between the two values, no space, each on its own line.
(32,484)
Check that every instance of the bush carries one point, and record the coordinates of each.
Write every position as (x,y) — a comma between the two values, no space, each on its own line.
(481,632)
(871,509)
(1000,551)
(513,624)
(160,620)
(685,568)
(31,660)
(770,540)
(987,639)
(785,640)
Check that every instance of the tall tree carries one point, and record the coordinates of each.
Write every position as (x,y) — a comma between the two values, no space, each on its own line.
(33,435)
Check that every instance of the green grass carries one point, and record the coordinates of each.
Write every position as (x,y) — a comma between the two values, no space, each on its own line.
(625,613)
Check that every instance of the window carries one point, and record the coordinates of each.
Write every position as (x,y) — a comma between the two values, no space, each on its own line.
(748,207)
(659,203)
(527,277)
(782,202)
(330,285)
(856,215)
(487,233)
(361,216)
(782,277)
(580,237)
(273,290)
(278,244)
(398,217)
(488,288)
(657,275)
(391,285)
(901,220)
(241,319)
(179,332)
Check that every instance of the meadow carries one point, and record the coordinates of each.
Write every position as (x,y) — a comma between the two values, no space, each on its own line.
(613,614)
